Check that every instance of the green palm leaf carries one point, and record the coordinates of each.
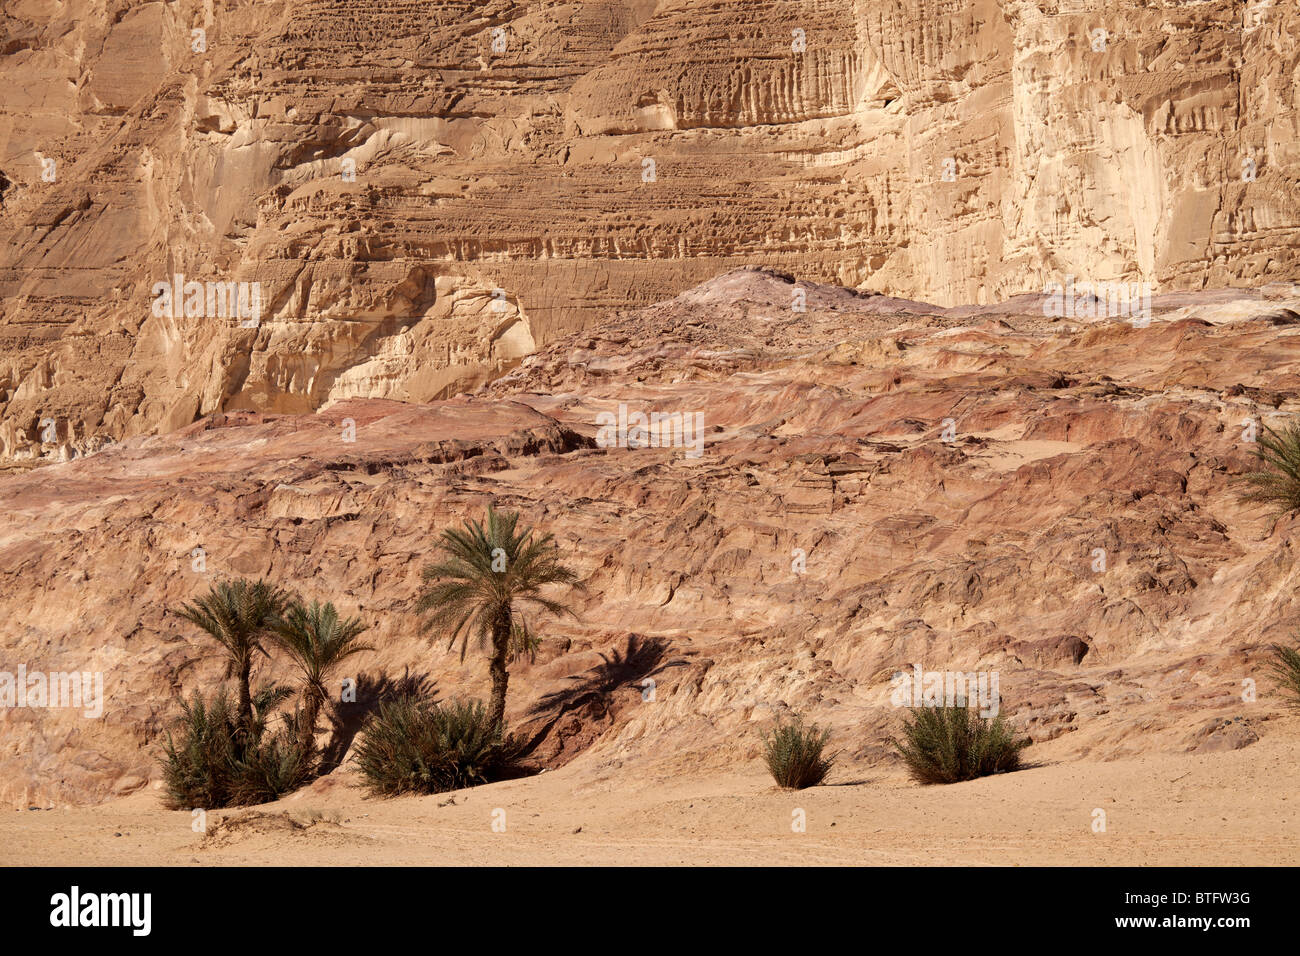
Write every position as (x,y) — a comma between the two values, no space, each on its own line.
(317,641)
(1277,479)
(237,615)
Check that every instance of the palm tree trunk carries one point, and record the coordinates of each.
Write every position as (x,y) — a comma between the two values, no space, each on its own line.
(500,676)
(245,698)
(307,729)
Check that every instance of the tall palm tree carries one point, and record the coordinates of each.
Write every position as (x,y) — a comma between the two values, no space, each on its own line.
(317,640)
(237,615)
(486,570)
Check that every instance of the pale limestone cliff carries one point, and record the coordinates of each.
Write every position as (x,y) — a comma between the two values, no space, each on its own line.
(424,190)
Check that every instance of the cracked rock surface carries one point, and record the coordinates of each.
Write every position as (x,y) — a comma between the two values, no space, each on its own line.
(882,485)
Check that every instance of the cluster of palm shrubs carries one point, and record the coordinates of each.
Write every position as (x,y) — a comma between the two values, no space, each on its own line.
(939,745)
(226,752)
(237,752)
(1286,670)
(215,765)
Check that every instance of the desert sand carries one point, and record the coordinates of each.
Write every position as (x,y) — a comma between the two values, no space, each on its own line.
(1226,809)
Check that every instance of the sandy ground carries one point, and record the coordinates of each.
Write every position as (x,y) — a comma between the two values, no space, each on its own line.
(1228,809)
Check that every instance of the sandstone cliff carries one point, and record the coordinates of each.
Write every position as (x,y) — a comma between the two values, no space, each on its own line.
(426,190)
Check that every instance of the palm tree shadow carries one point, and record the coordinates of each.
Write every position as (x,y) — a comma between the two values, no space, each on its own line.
(595,687)
(347,719)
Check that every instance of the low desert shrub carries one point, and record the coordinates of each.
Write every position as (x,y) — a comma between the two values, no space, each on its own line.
(414,746)
(793,754)
(199,753)
(275,765)
(951,744)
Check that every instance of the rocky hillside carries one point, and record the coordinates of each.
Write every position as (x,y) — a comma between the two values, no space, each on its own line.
(880,485)
(423,191)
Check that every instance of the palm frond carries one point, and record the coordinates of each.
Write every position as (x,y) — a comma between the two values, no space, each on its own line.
(237,614)
(317,639)
(485,569)
(1277,479)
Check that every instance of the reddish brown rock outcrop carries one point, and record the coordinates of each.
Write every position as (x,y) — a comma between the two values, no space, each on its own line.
(882,485)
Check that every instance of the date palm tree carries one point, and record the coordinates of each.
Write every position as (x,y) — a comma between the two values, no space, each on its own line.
(487,570)
(237,615)
(317,640)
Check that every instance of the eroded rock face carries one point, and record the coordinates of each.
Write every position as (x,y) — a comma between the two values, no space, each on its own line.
(426,191)
(882,486)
